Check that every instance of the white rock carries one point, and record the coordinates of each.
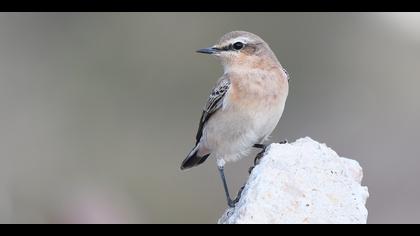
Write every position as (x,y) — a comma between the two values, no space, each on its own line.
(302,182)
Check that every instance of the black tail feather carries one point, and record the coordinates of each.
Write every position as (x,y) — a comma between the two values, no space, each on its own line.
(193,160)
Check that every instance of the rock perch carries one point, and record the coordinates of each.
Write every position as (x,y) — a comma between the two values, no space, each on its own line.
(302,182)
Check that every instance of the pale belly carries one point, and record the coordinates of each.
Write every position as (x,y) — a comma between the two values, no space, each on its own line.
(231,133)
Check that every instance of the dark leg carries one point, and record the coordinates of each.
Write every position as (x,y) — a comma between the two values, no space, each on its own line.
(260,146)
(257,160)
(261,154)
(230,202)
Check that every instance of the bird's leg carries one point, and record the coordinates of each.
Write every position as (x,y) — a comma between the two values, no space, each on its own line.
(259,155)
(239,195)
(230,202)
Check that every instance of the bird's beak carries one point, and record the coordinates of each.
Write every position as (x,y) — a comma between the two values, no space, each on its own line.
(209,50)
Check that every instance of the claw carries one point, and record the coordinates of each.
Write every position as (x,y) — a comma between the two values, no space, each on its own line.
(251,169)
(284,141)
(232,203)
(258,157)
(261,146)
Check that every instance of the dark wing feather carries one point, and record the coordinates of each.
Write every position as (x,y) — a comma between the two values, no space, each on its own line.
(214,103)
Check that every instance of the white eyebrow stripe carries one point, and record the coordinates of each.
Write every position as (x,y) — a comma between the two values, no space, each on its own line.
(239,39)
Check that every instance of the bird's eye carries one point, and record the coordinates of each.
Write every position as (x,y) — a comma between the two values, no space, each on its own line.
(238,45)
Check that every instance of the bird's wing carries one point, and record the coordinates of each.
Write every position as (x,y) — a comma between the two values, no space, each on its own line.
(214,103)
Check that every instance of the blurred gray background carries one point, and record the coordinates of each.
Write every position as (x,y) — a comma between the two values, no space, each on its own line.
(97,110)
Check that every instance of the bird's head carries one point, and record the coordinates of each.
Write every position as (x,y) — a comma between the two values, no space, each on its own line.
(241,48)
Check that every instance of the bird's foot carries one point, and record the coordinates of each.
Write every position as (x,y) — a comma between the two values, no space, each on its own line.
(232,203)
(260,146)
(257,159)
(284,142)
(261,154)
(250,169)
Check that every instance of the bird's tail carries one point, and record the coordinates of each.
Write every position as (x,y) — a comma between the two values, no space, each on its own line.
(193,159)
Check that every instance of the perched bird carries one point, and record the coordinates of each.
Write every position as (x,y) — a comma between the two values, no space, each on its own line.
(244,107)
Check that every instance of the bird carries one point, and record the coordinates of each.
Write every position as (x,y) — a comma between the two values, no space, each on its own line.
(245,105)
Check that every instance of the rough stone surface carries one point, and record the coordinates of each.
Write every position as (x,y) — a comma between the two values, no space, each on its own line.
(302,182)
